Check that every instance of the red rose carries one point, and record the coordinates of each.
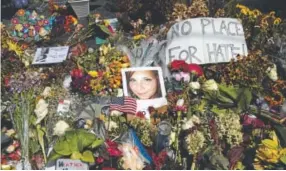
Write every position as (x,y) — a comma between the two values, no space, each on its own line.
(196,69)
(76,73)
(179,65)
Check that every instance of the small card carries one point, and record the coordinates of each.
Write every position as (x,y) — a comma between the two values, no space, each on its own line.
(68,164)
(63,106)
(49,55)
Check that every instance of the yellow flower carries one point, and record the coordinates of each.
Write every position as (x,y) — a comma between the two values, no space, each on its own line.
(244,11)
(138,37)
(93,73)
(106,23)
(277,21)
(256,13)
(19,27)
(12,46)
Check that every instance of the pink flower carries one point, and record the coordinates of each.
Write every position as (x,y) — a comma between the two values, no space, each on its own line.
(253,120)
(182,75)
(15,21)
(99,160)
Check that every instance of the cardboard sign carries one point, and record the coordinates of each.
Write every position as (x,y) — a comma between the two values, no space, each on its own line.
(68,164)
(205,40)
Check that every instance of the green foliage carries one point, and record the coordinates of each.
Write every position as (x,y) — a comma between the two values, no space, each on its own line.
(73,143)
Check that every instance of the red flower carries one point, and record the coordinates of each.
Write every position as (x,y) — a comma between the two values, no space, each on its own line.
(112,149)
(179,65)
(140,115)
(14,156)
(196,69)
(7,81)
(114,152)
(76,73)
(111,144)
(15,21)
(99,160)
(3,159)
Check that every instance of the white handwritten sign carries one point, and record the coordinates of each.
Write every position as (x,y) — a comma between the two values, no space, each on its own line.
(68,164)
(205,40)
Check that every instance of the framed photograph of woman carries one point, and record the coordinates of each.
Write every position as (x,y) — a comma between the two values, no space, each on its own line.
(143,83)
(146,84)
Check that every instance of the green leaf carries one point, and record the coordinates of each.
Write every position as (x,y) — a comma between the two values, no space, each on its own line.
(34,146)
(76,155)
(54,156)
(85,137)
(72,141)
(104,29)
(244,98)
(41,134)
(228,91)
(283,159)
(62,147)
(87,156)
(96,143)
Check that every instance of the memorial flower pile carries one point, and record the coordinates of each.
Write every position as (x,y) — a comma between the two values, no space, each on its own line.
(226,113)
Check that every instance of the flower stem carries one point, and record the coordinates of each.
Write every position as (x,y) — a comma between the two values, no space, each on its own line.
(194,163)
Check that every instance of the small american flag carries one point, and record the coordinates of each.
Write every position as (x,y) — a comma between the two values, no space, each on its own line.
(123,104)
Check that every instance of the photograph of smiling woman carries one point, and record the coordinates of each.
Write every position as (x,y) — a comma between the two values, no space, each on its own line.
(143,83)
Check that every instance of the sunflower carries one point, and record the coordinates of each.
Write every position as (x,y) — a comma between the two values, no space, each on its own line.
(12,46)
(277,21)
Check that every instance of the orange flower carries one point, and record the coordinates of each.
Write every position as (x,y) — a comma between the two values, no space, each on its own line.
(21,12)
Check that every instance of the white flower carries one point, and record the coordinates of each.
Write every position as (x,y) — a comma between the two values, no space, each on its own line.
(41,110)
(47,92)
(90,50)
(119,92)
(10,132)
(115,113)
(195,85)
(10,148)
(67,82)
(196,119)
(180,102)
(210,85)
(60,128)
(272,73)
(172,138)
(188,124)
(111,125)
